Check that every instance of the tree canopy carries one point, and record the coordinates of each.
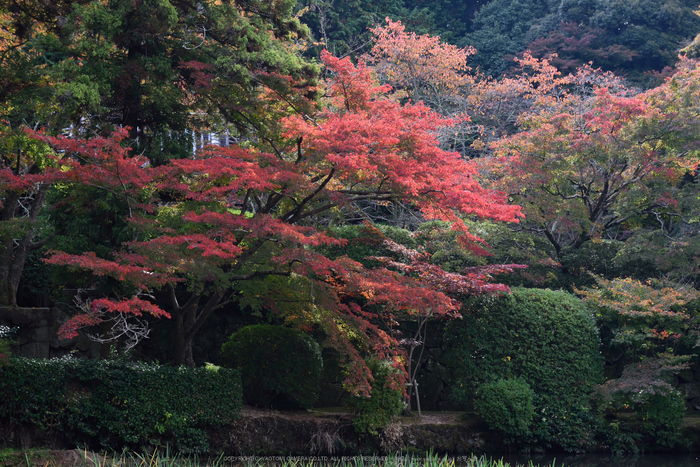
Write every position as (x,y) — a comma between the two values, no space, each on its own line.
(231,216)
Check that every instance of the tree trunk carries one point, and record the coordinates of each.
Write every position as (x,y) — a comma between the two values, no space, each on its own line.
(13,257)
(188,320)
(180,345)
(183,342)
(189,335)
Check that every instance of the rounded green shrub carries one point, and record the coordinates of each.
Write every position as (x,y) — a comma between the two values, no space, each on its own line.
(506,405)
(384,402)
(280,367)
(548,339)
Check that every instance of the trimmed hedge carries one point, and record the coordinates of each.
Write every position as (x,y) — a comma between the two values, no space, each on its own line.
(506,405)
(111,405)
(280,366)
(548,339)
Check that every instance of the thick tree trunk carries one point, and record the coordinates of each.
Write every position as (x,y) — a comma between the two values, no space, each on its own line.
(183,349)
(184,320)
(14,256)
(188,320)
(8,297)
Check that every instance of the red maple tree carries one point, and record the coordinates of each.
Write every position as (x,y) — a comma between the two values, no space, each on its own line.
(211,226)
(591,157)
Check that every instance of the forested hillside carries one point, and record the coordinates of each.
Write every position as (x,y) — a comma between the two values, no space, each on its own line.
(637,39)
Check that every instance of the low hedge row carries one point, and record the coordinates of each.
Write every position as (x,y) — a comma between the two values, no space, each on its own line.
(111,405)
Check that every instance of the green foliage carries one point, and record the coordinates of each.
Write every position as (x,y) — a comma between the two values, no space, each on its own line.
(6,339)
(506,405)
(648,33)
(657,408)
(500,29)
(631,38)
(662,416)
(384,402)
(520,247)
(653,31)
(279,366)
(644,318)
(546,338)
(595,257)
(448,19)
(115,404)
(341,26)
(657,253)
(159,67)
(363,242)
(655,420)
(85,219)
(35,282)
(444,247)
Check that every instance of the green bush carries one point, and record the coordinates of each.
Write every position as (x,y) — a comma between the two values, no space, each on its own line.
(279,366)
(548,339)
(662,416)
(657,417)
(6,335)
(385,400)
(111,405)
(506,405)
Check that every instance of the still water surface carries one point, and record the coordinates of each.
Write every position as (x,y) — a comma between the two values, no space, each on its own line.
(598,460)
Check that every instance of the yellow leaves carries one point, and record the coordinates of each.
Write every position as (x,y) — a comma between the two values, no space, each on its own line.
(420,66)
(367,293)
(634,298)
(7,38)
(479,145)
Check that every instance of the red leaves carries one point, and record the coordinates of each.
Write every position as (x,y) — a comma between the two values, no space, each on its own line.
(352,88)
(137,275)
(100,162)
(471,281)
(69,329)
(382,148)
(584,162)
(419,66)
(219,171)
(12,182)
(235,214)
(94,315)
(201,73)
(134,306)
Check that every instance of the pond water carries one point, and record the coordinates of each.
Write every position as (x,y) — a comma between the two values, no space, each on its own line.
(544,460)
(600,460)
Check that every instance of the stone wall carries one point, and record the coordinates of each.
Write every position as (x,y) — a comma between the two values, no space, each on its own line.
(37,338)
(688,382)
(434,376)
